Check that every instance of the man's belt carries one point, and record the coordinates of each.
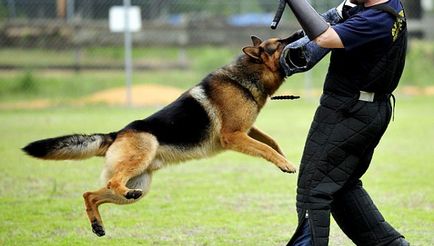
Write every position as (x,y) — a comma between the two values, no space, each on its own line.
(366,96)
(372,96)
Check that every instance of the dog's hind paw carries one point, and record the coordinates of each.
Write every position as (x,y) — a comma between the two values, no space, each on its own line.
(97,228)
(133,194)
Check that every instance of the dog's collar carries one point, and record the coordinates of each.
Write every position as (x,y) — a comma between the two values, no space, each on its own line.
(252,85)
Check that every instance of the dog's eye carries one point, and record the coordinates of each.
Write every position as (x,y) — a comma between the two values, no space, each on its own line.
(270,50)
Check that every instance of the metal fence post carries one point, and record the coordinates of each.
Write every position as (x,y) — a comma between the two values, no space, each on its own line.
(128,46)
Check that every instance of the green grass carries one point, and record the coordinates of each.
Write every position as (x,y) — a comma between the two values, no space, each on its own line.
(230,199)
(61,85)
(203,57)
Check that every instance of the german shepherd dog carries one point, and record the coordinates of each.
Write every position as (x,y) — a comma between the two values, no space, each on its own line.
(215,115)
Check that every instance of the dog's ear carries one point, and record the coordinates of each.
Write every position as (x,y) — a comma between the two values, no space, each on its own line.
(256,41)
(253,52)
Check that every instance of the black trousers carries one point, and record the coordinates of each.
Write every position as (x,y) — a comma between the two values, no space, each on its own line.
(338,151)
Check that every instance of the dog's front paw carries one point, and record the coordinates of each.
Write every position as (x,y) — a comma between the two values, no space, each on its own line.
(288,167)
(134,194)
(97,228)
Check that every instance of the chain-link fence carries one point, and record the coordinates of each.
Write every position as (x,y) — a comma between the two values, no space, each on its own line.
(65,23)
(81,26)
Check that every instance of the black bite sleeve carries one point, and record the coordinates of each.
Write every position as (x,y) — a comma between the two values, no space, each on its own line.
(311,22)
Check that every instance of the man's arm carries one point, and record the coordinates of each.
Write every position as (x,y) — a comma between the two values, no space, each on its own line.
(329,39)
(303,54)
(315,27)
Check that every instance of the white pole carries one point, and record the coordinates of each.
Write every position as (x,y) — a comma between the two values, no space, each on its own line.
(128,47)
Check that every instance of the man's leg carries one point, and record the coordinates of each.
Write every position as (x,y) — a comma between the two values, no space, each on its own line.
(359,218)
(356,213)
(333,155)
(304,237)
(315,187)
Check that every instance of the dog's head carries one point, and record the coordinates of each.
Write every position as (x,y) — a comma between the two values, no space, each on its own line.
(268,52)
(263,59)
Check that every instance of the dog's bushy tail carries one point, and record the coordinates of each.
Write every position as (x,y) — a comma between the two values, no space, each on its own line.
(70,147)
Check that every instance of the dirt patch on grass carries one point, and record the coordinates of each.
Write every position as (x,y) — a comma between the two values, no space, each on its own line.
(141,95)
(417,91)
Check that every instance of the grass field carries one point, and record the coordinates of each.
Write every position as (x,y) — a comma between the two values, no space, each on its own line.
(61,85)
(230,199)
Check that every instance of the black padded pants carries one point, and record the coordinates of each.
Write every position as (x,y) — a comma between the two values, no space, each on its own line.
(338,151)
(359,218)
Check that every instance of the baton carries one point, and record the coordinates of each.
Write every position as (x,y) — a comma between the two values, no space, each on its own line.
(278,14)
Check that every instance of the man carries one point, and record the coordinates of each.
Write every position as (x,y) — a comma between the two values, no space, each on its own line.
(368,46)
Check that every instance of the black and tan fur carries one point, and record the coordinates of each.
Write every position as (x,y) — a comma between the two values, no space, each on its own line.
(215,115)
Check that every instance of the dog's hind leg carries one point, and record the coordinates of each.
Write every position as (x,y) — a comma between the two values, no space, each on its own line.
(126,162)
(93,200)
(142,182)
(129,156)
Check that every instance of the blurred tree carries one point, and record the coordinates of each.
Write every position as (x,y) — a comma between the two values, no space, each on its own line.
(268,6)
(152,9)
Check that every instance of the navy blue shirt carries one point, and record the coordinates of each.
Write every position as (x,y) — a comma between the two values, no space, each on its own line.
(366,35)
